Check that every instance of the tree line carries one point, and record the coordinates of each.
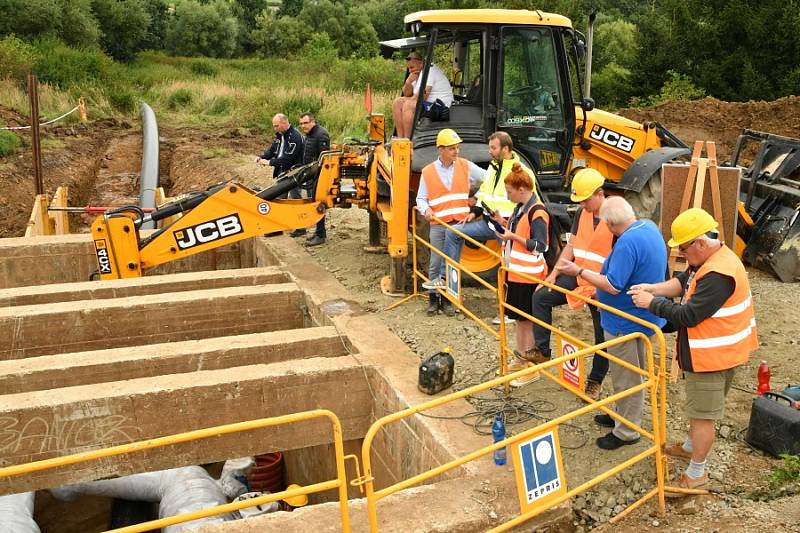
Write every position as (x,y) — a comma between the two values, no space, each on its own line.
(644,51)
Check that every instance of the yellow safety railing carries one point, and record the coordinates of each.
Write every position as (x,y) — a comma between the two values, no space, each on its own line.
(373,496)
(654,382)
(340,483)
(419,275)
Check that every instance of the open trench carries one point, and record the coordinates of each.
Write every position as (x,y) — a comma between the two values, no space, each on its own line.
(253,330)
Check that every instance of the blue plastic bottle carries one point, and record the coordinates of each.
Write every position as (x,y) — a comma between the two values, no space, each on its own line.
(499,433)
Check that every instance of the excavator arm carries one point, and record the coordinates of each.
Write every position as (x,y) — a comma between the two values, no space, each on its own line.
(224,214)
(361,174)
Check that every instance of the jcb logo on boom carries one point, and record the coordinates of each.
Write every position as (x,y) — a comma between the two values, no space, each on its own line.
(206,232)
(611,138)
(103,261)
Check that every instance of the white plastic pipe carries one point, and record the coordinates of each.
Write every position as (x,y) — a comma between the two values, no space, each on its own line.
(16,513)
(179,491)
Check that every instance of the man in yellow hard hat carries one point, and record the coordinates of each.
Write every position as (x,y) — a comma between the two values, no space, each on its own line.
(588,245)
(716,330)
(444,193)
(638,256)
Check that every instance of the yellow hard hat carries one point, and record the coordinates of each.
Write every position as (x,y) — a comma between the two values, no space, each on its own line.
(585,182)
(296,501)
(447,137)
(690,225)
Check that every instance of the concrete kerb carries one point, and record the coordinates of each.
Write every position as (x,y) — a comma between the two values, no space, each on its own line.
(380,349)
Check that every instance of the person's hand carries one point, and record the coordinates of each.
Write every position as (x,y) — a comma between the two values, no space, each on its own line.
(497,217)
(428,214)
(262,162)
(646,287)
(551,278)
(413,75)
(505,236)
(567,267)
(641,298)
(469,218)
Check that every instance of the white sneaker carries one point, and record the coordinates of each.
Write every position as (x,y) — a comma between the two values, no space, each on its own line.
(496,320)
(526,380)
(434,284)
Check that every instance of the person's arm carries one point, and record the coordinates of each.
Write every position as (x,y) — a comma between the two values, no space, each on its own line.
(422,200)
(409,84)
(711,293)
(538,236)
(270,152)
(292,153)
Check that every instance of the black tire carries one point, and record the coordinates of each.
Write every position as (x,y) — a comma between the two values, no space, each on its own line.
(647,204)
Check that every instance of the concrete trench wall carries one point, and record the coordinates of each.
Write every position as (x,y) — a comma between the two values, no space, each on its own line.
(90,365)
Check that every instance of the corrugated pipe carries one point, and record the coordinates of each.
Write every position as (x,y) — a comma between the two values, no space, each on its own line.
(148,182)
(178,491)
(16,513)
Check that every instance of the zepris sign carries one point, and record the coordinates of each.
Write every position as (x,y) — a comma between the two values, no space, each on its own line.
(611,138)
(209,231)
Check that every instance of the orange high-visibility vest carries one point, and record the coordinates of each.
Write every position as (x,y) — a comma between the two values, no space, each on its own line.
(725,339)
(517,256)
(448,204)
(590,246)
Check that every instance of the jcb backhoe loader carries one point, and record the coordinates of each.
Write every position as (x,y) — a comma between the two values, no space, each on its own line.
(516,71)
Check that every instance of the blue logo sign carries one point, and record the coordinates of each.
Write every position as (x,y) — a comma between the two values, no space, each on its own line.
(540,467)
(453,275)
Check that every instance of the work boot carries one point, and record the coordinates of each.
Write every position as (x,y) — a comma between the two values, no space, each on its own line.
(535,356)
(433,304)
(316,240)
(593,389)
(298,232)
(447,307)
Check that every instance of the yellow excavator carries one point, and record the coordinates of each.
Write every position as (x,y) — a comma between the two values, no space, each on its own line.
(512,70)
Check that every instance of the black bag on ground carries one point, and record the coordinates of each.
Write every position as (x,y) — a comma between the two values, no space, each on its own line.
(774,425)
(436,373)
(438,112)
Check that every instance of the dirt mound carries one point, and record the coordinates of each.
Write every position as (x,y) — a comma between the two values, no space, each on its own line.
(710,119)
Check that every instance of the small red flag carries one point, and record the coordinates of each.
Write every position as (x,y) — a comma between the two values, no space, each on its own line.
(368,100)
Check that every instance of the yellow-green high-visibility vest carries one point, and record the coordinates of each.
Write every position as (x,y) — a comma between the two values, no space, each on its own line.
(493,189)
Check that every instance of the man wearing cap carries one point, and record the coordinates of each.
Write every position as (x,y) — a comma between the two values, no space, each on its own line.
(638,256)
(716,330)
(588,245)
(444,193)
(437,87)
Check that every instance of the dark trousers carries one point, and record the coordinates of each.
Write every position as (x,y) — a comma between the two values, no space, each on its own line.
(319,231)
(544,300)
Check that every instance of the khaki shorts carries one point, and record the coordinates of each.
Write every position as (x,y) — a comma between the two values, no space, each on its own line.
(705,393)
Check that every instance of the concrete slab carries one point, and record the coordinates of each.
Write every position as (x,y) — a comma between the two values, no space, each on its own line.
(125,288)
(33,330)
(45,424)
(70,258)
(116,364)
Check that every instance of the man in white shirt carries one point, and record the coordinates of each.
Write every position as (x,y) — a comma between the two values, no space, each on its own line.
(437,87)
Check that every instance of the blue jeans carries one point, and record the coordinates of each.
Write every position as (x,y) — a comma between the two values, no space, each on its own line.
(436,265)
(477,229)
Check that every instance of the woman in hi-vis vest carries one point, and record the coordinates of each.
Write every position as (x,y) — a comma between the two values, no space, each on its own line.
(524,243)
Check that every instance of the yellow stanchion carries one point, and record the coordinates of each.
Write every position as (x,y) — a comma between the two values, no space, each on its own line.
(339,483)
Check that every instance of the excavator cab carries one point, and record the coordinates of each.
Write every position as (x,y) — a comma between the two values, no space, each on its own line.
(521,72)
(509,76)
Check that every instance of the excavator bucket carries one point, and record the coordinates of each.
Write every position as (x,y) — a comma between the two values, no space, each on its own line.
(771,194)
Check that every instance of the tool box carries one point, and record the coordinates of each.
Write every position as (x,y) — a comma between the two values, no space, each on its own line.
(774,424)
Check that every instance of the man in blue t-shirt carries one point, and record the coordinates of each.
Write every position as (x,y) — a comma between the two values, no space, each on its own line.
(639,254)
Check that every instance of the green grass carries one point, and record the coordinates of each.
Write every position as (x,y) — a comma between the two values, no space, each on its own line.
(9,142)
(217,93)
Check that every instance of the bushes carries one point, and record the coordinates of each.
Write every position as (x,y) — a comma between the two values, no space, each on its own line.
(202,29)
(9,142)
(179,98)
(16,59)
(61,65)
(202,67)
